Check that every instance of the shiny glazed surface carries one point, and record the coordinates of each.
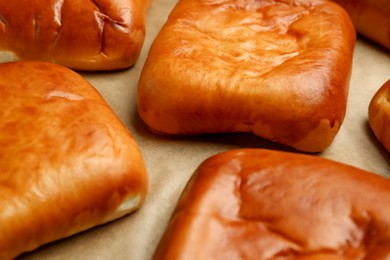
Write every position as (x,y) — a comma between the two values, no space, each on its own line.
(371,18)
(66,161)
(277,205)
(379,115)
(80,34)
(279,69)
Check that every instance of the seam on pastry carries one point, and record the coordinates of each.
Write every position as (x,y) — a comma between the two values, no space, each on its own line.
(107,17)
(101,21)
(102,18)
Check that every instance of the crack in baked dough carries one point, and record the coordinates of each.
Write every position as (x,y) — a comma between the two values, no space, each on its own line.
(58,7)
(97,4)
(106,16)
(101,21)
(102,18)
(58,12)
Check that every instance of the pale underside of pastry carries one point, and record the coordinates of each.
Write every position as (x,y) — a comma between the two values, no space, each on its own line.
(279,69)
(67,163)
(79,34)
(264,204)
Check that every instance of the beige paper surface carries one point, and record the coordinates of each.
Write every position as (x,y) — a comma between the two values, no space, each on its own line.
(171,161)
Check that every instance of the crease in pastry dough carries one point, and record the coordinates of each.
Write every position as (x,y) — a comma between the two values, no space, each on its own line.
(58,13)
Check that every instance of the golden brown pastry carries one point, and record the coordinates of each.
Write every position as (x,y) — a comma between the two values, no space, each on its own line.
(67,163)
(371,18)
(262,204)
(79,34)
(379,115)
(277,68)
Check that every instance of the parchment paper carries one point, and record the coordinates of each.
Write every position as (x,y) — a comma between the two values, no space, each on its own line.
(171,161)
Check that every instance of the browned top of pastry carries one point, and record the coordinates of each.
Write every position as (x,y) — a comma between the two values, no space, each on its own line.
(273,205)
(280,69)
(80,34)
(66,161)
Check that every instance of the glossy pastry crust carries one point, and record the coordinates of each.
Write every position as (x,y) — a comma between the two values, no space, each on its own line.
(379,115)
(67,163)
(79,34)
(371,18)
(277,205)
(277,68)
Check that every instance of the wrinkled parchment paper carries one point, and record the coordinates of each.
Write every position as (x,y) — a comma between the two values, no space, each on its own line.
(171,161)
